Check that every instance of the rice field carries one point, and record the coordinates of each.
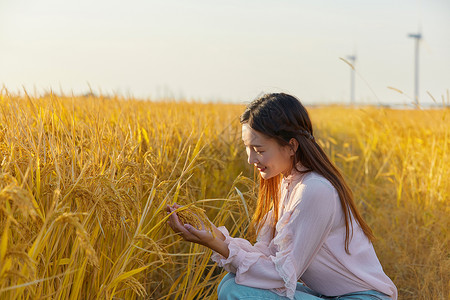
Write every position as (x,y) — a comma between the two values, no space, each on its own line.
(84,182)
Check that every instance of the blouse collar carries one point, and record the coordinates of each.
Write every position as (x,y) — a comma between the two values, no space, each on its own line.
(294,175)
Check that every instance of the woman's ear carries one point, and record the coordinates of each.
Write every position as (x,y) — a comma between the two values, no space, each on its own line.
(294,146)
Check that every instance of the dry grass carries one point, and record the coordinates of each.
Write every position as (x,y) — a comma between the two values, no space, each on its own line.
(84,183)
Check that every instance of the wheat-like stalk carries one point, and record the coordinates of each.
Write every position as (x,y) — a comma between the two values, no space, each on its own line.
(84,182)
(195,216)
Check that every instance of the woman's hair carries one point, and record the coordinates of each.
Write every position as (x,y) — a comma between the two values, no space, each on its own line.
(282,117)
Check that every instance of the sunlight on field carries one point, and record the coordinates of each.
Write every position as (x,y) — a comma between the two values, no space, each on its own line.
(84,182)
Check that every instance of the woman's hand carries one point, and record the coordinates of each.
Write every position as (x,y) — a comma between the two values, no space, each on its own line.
(202,237)
(189,232)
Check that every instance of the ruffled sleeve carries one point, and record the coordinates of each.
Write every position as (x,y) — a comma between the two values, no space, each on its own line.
(238,248)
(241,253)
(300,233)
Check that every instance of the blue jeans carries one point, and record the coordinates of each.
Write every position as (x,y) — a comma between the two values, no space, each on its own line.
(228,289)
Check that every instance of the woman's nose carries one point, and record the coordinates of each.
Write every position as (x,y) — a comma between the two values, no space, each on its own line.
(252,158)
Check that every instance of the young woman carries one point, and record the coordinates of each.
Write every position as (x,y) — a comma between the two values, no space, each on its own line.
(307,224)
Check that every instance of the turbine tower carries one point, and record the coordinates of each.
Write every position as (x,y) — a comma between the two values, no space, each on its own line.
(418,37)
(352,58)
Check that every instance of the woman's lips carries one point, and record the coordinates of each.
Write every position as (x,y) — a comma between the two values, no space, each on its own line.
(262,169)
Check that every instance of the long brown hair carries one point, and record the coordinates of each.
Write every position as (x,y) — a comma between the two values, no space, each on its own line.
(283,117)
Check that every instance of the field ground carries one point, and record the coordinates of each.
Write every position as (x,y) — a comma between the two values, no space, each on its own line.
(84,182)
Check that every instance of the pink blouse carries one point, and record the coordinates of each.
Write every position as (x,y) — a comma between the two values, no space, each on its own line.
(308,245)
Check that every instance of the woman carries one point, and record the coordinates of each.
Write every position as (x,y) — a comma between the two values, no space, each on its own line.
(307,224)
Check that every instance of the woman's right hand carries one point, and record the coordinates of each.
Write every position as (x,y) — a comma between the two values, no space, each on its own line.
(188,232)
(191,234)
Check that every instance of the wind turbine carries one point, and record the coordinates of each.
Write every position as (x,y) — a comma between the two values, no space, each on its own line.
(418,37)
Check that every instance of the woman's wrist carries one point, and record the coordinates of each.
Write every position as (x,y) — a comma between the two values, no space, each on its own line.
(219,246)
(219,233)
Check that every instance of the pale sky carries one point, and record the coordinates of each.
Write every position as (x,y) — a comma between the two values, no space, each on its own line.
(225,50)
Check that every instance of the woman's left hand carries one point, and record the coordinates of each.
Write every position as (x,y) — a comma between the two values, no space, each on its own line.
(189,232)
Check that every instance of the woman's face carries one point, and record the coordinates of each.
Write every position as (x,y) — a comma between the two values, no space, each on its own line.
(266,154)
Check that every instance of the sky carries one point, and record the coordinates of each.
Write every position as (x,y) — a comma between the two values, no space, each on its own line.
(226,50)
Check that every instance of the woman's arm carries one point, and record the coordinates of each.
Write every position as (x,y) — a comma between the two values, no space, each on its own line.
(219,246)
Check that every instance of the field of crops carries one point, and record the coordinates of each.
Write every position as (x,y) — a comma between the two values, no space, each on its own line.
(84,182)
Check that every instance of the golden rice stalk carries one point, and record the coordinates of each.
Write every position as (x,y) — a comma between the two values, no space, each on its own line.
(21,199)
(150,243)
(195,216)
(23,257)
(136,286)
(82,236)
(14,275)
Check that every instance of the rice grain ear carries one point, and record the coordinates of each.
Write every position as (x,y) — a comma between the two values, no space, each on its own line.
(195,216)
